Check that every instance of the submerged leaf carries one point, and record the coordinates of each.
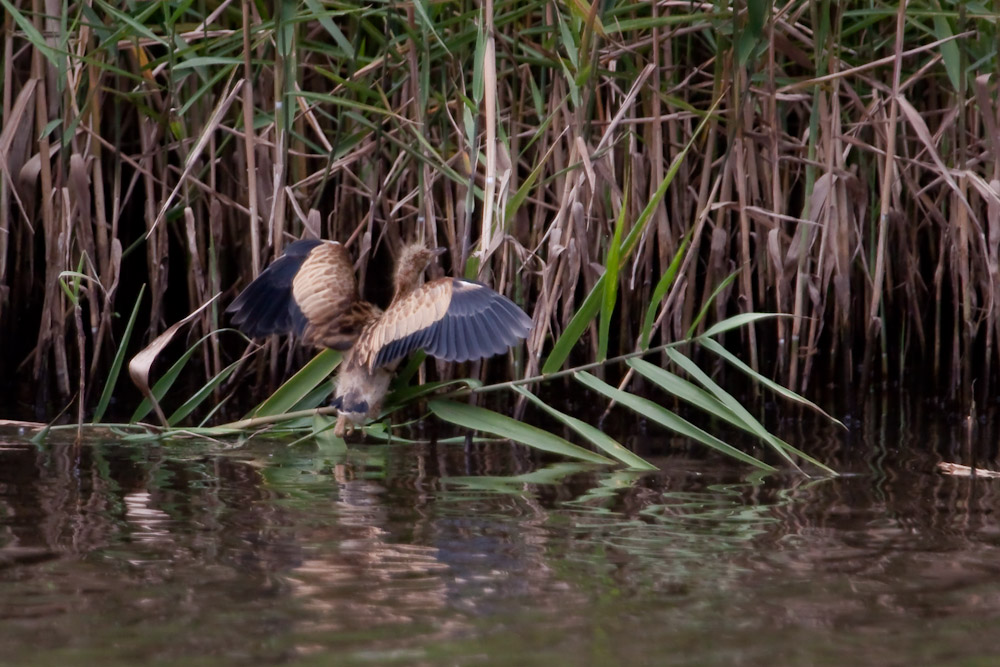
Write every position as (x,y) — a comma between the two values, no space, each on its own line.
(328,442)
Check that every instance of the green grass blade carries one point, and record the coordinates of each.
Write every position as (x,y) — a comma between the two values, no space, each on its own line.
(309,377)
(116,365)
(598,438)
(664,284)
(735,322)
(199,396)
(577,325)
(481,419)
(716,347)
(55,57)
(610,296)
(331,28)
(665,418)
(709,301)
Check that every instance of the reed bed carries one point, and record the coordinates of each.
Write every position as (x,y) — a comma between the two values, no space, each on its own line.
(842,159)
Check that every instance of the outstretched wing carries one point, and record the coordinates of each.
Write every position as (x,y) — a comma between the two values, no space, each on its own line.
(310,290)
(450,318)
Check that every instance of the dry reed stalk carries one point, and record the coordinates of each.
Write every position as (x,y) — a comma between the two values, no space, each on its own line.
(250,148)
(885,194)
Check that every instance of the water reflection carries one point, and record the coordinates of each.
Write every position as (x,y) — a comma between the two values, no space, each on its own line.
(423,553)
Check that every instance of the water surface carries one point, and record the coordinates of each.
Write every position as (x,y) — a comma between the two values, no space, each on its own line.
(190,552)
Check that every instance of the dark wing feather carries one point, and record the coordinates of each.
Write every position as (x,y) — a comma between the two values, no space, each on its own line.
(310,290)
(452,319)
(266,306)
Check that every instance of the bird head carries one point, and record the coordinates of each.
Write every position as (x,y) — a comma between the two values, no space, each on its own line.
(411,264)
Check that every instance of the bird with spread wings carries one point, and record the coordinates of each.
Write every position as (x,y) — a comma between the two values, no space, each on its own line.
(311,291)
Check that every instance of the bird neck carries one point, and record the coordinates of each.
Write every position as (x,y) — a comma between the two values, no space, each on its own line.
(407,280)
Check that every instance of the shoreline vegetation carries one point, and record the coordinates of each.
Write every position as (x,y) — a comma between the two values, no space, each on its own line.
(629,173)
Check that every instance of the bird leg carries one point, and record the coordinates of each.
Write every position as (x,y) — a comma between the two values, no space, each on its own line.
(343,427)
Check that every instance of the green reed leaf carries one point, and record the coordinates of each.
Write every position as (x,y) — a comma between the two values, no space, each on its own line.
(309,378)
(116,365)
(750,423)
(481,419)
(714,346)
(660,415)
(662,286)
(597,437)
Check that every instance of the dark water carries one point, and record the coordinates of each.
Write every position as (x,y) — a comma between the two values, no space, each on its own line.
(194,553)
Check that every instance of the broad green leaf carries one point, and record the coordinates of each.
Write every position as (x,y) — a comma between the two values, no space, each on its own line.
(597,437)
(57,58)
(309,377)
(949,51)
(406,373)
(163,385)
(408,394)
(481,419)
(686,391)
(51,125)
(208,61)
(551,474)
(657,413)
(322,431)
(577,325)
(751,33)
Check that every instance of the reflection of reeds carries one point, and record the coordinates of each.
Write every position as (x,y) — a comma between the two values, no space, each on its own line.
(184,150)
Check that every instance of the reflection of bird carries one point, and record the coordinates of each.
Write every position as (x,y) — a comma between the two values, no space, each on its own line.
(311,291)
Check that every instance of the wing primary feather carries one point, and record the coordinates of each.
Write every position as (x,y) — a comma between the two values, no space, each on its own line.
(434,340)
(478,339)
(494,332)
(451,335)
(516,319)
(423,339)
(463,338)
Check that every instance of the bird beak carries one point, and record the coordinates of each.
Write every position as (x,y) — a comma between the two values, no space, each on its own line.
(438,251)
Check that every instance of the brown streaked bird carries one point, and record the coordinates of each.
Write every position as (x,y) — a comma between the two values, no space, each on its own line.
(311,291)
